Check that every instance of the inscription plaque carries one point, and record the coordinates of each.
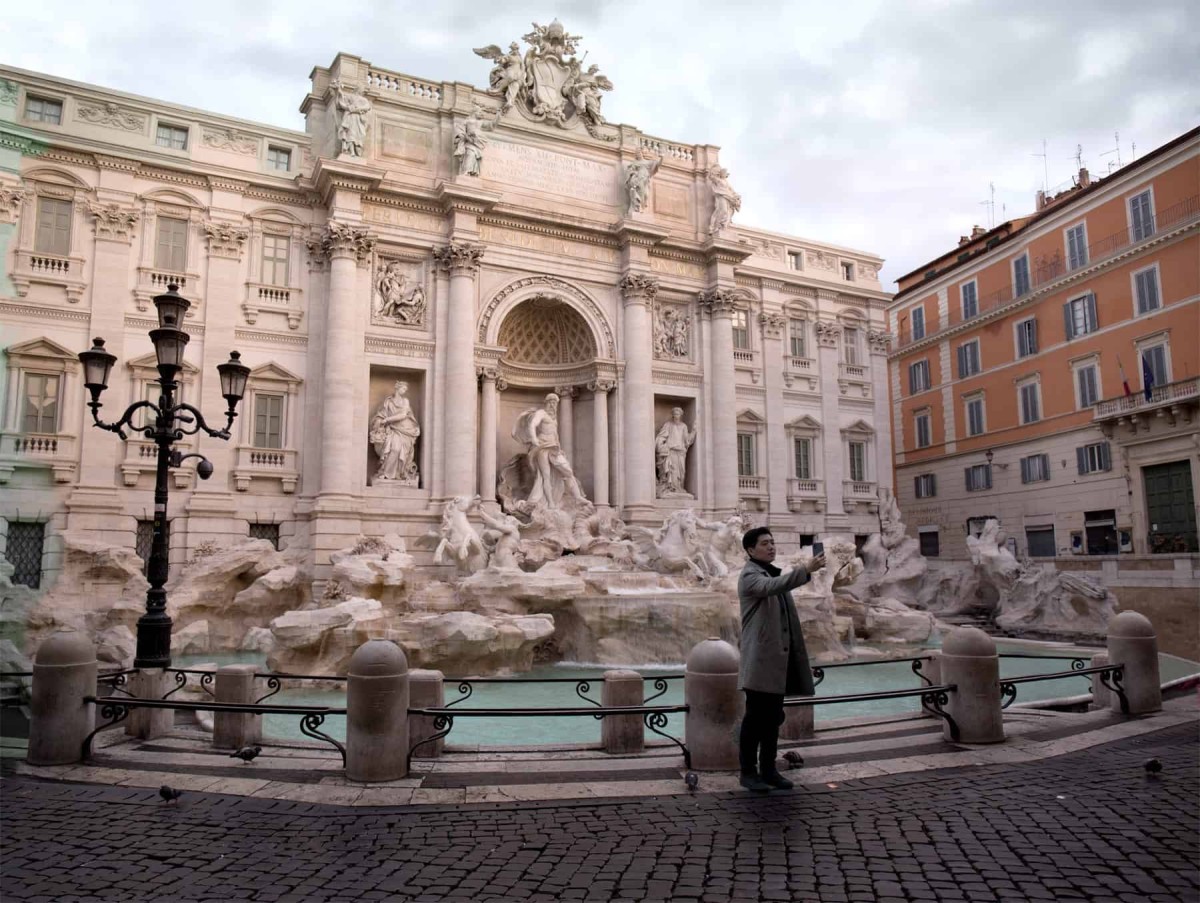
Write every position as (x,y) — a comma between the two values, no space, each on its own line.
(404,142)
(551,172)
(671,200)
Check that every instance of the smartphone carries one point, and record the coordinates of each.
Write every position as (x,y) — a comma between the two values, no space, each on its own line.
(818,549)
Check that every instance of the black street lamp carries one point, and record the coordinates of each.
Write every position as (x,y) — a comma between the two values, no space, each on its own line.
(172,422)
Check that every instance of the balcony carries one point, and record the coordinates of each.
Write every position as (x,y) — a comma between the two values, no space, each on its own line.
(1044,275)
(273,299)
(859,494)
(1171,402)
(153,281)
(280,464)
(854,378)
(49,269)
(141,456)
(806,495)
(52,451)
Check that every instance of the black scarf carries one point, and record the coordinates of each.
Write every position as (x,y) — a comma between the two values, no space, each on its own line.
(768,567)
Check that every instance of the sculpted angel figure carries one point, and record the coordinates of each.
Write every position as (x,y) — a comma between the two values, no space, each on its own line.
(637,181)
(508,75)
(469,142)
(393,434)
(554,479)
(352,119)
(583,90)
(670,449)
(726,201)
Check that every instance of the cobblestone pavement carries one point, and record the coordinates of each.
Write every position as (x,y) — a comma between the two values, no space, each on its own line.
(1089,825)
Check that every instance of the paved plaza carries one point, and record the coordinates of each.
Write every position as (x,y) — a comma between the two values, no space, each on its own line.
(1085,825)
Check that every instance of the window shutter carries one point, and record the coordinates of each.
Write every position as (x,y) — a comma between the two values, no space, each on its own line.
(1105,460)
(962,361)
(1025,470)
(1093,323)
(1069,333)
(932,484)
(1081,459)
(987,477)
(967,477)
(912,380)
(1031,336)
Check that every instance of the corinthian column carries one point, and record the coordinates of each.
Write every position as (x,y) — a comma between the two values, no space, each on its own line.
(492,384)
(637,395)
(600,389)
(348,247)
(461,261)
(721,303)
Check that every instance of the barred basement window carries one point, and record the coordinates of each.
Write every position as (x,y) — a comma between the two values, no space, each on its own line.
(269,532)
(145,541)
(24,552)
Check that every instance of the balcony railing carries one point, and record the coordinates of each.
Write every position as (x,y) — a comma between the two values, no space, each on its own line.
(1160,396)
(48,269)
(31,450)
(858,489)
(805,494)
(750,484)
(280,464)
(855,372)
(141,456)
(153,281)
(800,364)
(276,299)
(1057,268)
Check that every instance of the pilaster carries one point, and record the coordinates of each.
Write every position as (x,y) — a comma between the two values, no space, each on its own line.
(828,334)
(461,261)
(720,304)
(778,450)
(637,407)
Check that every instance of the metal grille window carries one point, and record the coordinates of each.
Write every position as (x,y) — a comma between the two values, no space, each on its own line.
(1141,216)
(975,417)
(925,486)
(930,543)
(924,438)
(279,158)
(741,330)
(1031,408)
(918,323)
(968,359)
(798,338)
(1093,458)
(979,477)
(53,227)
(275,259)
(1040,541)
(858,461)
(41,109)
(26,542)
(918,377)
(1079,316)
(970,300)
(171,136)
(170,250)
(803,452)
(1021,284)
(1077,255)
(1146,285)
(40,414)
(745,447)
(268,421)
(1035,468)
(144,541)
(1089,386)
(269,532)
(1027,337)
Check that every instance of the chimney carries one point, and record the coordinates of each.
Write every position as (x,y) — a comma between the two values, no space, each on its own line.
(977,231)
(1084,178)
(1041,200)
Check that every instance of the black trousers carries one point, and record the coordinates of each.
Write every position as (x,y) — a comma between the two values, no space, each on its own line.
(759,739)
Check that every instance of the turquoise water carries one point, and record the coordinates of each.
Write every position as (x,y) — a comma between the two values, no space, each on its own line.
(524,692)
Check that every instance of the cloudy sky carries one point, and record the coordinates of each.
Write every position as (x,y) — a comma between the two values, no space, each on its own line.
(878,125)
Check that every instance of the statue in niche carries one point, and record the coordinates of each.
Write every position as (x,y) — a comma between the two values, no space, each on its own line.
(469,142)
(637,181)
(394,432)
(554,481)
(503,538)
(402,298)
(583,90)
(670,449)
(352,110)
(671,333)
(726,201)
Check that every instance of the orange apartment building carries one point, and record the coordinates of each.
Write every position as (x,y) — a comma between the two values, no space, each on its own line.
(1008,375)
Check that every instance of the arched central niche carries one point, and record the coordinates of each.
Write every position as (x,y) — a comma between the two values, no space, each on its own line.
(546,331)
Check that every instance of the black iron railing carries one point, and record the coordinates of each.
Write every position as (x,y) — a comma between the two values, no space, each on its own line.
(933,698)
(1110,675)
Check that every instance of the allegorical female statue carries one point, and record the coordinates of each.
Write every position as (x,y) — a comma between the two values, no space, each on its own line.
(394,432)
(670,449)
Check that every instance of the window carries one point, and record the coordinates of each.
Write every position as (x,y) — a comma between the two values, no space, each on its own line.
(1154,360)
(269,532)
(975,425)
(1093,458)
(1087,382)
(918,377)
(746,457)
(795,260)
(847,271)
(1145,288)
(279,158)
(1035,468)
(918,323)
(268,421)
(1027,343)
(924,437)
(979,477)
(1021,284)
(802,448)
(24,552)
(929,542)
(858,461)
(1040,541)
(40,409)
(170,250)
(275,259)
(1077,246)
(42,109)
(741,330)
(970,300)
(850,345)
(925,486)
(171,136)
(144,541)
(1079,316)
(798,338)
(1141,216)
(1030,402)
(968,359)
(53,227)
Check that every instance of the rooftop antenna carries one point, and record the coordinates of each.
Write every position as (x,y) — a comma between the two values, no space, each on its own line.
(1133,149)
(1045,168)
(991,205)
(1078,156)
(1116,150)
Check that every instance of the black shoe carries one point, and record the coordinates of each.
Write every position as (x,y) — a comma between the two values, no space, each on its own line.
(751,781)
(776,780)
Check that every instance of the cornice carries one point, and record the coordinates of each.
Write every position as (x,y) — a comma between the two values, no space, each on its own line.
(331,175)
(466,198)
(676,378)
(540,228)
(643,235)
(119,164)
(405,203)
(42,312)
(722,251)
(271,338)
(220,183)
(404,347)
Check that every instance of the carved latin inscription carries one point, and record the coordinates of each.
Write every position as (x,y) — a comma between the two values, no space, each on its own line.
(554,173)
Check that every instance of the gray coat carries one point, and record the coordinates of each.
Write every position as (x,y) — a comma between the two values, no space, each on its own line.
(774,658)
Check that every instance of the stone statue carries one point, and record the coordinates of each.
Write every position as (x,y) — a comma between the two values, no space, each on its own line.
(508,76)
(726,201)
(583,90)
(671,328)
(553,478)
(469,142)
(726,539)
(401,299)
(457,540)
(504,538)
(673,548)
(352,119)
(670,450)
(637,181)
(394,432)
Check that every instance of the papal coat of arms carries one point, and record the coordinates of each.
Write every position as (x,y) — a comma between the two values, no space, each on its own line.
(548,82)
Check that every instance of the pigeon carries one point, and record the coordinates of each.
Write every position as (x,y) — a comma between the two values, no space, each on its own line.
(246,753)
(169,794)
(692,780)
(794,759)
(1153,767)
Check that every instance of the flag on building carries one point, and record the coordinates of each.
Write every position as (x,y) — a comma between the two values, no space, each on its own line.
(1147,375)
(1124,381)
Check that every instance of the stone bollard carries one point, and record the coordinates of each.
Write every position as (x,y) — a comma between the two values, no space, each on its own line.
(377,713)
(1133,644)
(64,671)
(970,662)
(236,684)
(710,689)
(1102,696)
(622,733)
(425,691)
(146,724)
(932,670)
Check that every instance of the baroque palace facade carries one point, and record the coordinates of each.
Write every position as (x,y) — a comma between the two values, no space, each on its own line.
(486,248)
